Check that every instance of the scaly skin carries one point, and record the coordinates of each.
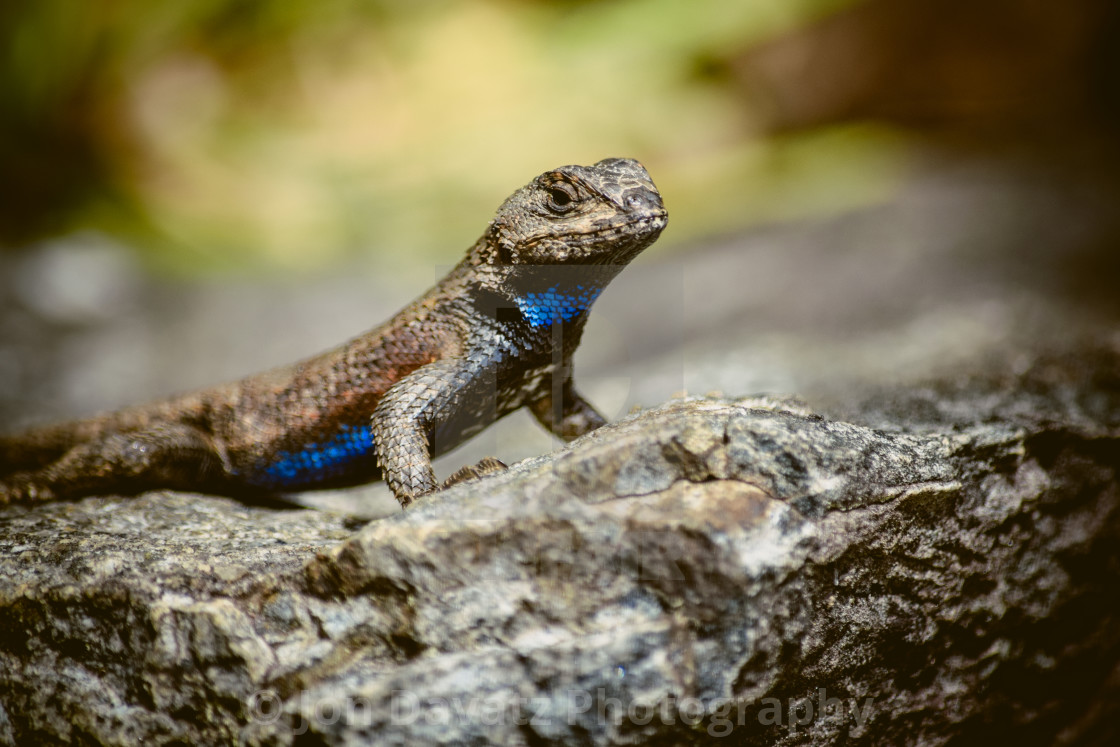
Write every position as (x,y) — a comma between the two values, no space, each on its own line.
(496,334)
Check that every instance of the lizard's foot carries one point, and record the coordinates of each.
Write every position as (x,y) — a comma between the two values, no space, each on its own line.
(24,491)
(485,466)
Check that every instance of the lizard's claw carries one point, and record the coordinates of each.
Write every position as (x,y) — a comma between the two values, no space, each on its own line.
(485,466)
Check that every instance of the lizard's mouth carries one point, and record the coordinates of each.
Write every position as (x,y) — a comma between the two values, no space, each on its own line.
(645,226)
(619,241)
(611,242)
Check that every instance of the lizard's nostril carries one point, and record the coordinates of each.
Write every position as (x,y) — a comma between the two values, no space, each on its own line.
(642,201)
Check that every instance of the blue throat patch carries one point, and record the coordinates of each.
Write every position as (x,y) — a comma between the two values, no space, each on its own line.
(553,305)
(316,462)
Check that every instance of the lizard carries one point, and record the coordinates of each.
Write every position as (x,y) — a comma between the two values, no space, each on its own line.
(497,333)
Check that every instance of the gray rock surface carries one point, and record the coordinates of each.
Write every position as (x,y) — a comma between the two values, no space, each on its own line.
(939,565)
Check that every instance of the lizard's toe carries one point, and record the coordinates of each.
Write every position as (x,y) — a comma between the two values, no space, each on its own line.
(24,491)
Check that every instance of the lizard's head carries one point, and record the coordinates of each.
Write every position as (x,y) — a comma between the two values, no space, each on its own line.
(580,215)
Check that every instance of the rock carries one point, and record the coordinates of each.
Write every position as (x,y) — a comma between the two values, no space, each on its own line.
(933,564)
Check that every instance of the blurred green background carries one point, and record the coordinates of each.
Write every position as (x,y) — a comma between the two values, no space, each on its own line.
(214,134)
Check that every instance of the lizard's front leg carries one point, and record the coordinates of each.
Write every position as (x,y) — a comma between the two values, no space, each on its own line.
(569,416)
(408,415)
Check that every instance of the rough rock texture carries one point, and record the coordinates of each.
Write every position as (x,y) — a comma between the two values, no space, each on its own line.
(941,565)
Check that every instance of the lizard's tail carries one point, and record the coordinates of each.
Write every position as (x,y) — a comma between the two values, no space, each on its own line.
(39,447)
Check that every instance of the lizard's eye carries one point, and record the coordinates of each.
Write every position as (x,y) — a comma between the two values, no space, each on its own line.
(561,197)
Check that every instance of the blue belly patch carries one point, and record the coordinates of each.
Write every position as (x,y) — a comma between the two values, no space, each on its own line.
(553,305)
(316,462)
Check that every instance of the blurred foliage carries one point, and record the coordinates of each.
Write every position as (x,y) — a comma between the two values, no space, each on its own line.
(1002,69)
(215,133)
